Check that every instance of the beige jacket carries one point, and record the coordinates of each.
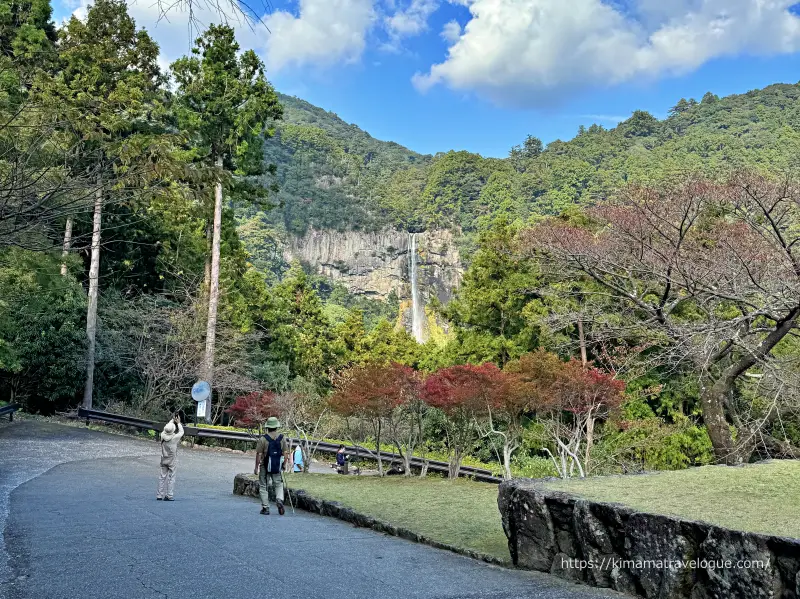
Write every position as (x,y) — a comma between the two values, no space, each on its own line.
(169,446)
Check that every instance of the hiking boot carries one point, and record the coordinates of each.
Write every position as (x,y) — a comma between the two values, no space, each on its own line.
(281,511)
(265,511)
(159,498)
(168,499)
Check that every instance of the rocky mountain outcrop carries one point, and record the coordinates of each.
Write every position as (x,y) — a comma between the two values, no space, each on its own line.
(647,555)
(375,264)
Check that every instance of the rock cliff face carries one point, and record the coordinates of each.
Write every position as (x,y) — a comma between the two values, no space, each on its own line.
(375,264)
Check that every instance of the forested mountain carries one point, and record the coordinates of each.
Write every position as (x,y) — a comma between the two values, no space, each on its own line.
(333,175)
(145,243)
(328,171)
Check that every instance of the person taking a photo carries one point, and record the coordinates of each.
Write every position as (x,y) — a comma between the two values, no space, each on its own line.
(170,441)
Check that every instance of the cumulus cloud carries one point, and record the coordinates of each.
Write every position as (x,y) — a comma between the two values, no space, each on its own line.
(451,31)
(535,52)
(324,32)
(411,20)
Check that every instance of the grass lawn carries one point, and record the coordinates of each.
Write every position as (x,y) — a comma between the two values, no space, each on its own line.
(460,513)
(761,498)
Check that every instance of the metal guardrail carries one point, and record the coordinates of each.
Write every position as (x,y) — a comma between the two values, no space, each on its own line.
(479,474)
(9,410)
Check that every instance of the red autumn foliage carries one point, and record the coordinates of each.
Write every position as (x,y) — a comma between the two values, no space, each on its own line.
(568,398)
(530,382)
(541,382)
(465,387)
(463,393)
(253,410)
(374,390)
(583,390)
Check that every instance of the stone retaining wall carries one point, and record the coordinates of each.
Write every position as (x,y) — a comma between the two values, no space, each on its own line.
(247,485)
(642,554)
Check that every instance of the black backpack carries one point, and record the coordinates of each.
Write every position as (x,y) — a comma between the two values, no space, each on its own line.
(273,453)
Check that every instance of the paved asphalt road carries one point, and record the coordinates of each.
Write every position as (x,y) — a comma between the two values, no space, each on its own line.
(80,519)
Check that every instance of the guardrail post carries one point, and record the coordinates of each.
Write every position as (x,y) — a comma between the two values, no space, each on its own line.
(9,409)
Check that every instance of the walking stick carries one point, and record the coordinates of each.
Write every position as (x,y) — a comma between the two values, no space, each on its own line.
(286,491)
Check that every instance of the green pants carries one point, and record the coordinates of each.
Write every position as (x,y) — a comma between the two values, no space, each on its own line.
(266,480)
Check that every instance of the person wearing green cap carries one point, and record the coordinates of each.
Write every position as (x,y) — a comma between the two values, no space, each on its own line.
(272,452)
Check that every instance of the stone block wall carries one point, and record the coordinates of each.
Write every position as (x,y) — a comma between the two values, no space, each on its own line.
(646,555)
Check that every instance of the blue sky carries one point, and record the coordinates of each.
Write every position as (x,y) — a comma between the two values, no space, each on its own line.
(480,75)
(381,100)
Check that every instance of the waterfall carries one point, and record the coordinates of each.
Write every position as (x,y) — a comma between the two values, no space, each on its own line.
(417,310)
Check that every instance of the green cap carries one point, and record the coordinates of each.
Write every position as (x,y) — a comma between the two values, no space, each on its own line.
(272,422)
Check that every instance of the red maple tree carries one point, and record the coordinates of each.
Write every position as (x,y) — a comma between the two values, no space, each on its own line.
(252,410)
(372,393)
(526,389)
(573,401)
(464,393)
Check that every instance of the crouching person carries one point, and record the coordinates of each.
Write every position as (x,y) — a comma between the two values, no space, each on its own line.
(341,460)
(170,441)
(272,452)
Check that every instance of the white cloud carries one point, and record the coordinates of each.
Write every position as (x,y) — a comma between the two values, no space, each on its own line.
(322,33)
(171,31)
(325,32)
(411,20)
(451,31)
(534,52)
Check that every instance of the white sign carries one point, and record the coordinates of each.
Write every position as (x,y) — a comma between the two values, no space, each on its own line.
(201,408)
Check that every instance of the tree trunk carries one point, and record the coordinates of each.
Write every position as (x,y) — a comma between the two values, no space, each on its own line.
(207,269)
(405,453)
(423,472)
(213,293)
(378,449)
(407,465)
(67,246)
(306,451)
(712,401)
(565,450)
(507,450)
(455,464)
(94,288)
(582,341)
(589,442)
